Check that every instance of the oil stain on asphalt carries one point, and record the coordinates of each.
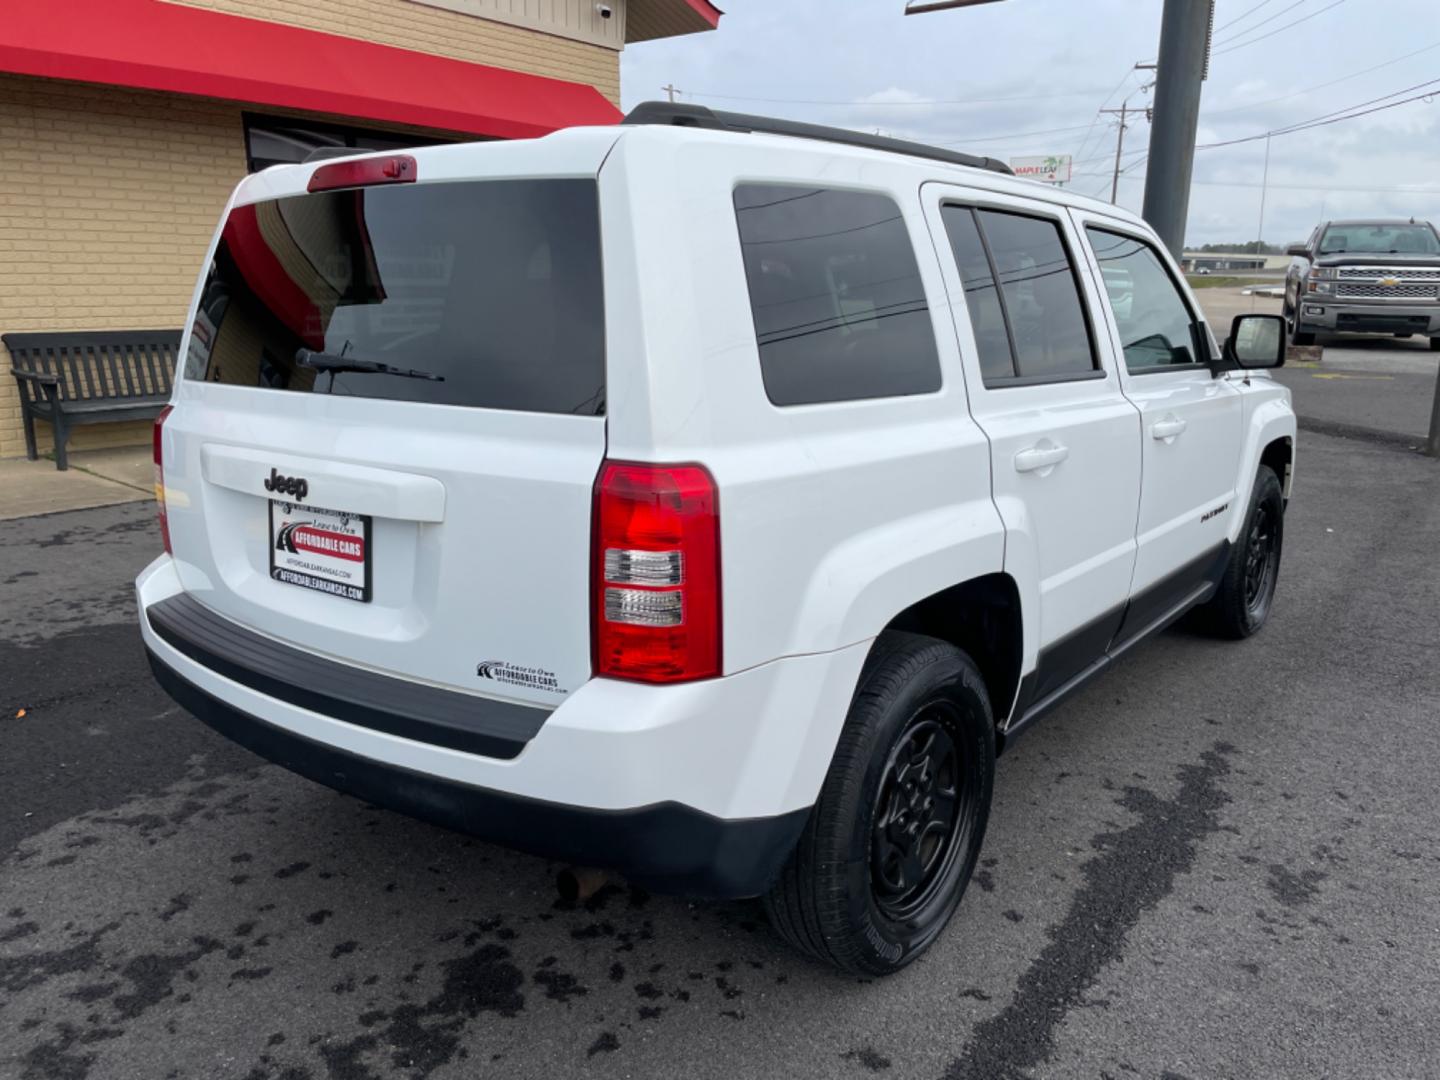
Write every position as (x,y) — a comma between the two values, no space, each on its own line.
(437,989)
(438,993)
(1134,870)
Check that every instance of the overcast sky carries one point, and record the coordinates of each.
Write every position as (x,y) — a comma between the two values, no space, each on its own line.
(937,77)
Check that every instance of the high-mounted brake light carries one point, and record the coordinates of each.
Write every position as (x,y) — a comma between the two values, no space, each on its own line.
(656,573)
(395,169)
(159,455)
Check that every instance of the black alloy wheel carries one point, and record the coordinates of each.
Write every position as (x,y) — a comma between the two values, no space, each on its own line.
(925,795)
(1246,591)
(1262,559)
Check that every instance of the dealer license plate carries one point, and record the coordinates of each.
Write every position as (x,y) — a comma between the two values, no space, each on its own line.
(324,550)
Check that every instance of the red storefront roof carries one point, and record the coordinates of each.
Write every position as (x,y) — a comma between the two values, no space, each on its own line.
(153,45)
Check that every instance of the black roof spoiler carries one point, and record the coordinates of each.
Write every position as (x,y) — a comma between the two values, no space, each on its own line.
(677,115)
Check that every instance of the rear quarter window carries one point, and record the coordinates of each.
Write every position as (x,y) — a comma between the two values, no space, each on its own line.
(840,312)
(485,294)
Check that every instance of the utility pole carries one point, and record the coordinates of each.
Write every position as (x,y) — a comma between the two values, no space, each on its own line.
(1183,62)
(1264,183)
(1123,111)
(671,91)
(1119,148)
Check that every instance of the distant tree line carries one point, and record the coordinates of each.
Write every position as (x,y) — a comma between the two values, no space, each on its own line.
(1249,247)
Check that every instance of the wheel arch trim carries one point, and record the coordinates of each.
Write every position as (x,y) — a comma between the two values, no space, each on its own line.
(1270,423)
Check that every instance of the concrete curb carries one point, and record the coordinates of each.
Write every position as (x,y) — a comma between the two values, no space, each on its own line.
(1392,439)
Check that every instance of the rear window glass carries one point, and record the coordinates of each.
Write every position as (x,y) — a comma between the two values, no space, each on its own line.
(484,294)
(839,308)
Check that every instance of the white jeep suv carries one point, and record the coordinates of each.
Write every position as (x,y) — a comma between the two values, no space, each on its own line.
(709,498)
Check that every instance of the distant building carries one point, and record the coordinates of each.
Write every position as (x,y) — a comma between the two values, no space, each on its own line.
(125,124)
(1230,262)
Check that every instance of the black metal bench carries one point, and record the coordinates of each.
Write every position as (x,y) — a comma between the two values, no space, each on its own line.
(90,377)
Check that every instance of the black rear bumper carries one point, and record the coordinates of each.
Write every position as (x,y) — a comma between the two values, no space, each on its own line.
(666,847)
(428,714)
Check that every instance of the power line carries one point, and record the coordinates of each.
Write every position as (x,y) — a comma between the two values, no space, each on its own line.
(1085,141)
(1099,192)
(1242,18)
(1099,112)
(1091,127)
(1277,30)
(1110,157)
(1331,118)
(1079,158)
(1241,33)
(1139,156)
(1321,86)
(1324,120)
(1360,105)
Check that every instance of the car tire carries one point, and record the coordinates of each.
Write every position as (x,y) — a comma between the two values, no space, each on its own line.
(1298,336)
(1435,344)
(1246,593)
(881,866)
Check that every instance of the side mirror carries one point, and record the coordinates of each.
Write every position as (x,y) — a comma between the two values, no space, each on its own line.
(1299,251)
(1256,341)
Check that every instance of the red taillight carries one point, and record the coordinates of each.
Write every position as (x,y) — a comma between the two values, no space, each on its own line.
(158,444)
(656,573)
(395,169)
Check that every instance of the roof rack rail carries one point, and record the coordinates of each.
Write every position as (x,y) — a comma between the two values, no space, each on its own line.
(677,115)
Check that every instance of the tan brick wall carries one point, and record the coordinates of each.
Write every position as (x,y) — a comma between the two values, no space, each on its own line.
(107,201)
(108,197)
(444,33)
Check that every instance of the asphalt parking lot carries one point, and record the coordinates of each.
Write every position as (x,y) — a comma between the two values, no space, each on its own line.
(1218,861)
(1373,386)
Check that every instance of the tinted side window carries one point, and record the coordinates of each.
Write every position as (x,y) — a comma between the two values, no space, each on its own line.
(1156,327)
(1042,301)
(981,296)
(839,310)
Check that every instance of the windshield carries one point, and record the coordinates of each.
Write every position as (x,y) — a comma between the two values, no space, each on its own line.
(485,294)
(1380,240)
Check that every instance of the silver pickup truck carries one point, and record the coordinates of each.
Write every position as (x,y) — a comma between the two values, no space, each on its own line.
(1365,277)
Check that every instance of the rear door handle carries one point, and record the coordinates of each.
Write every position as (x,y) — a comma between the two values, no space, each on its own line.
(1168,428)
(1040,456)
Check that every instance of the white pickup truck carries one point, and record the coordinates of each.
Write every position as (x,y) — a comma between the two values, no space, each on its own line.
(709,498)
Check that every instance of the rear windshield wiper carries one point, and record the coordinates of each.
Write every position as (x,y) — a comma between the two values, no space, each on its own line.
(331,363)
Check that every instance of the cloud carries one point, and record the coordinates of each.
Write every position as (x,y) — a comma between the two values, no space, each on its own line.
(982,79)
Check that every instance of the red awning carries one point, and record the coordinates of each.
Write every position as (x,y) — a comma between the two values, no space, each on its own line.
(153,45)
